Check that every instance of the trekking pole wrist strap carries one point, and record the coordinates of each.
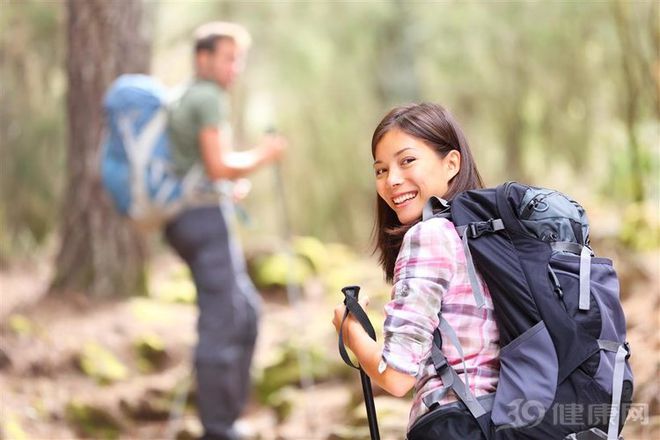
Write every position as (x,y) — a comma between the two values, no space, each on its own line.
(353,307)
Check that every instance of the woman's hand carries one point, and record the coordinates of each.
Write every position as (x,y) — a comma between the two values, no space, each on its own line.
(350,324)
(369,353)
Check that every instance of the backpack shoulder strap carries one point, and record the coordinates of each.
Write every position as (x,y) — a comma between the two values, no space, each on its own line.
(436,207)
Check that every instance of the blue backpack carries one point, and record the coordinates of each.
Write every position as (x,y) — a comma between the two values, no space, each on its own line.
(136,164)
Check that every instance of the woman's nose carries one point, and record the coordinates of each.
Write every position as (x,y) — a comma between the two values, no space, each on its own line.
(394,177)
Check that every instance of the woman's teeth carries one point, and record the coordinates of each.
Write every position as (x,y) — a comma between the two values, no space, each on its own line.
(404,197)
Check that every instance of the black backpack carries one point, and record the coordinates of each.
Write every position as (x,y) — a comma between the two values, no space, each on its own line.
(564,372)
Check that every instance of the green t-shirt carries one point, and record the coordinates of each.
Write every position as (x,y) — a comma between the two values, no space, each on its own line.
(203,104)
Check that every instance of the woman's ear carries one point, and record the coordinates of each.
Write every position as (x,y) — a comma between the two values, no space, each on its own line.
(453,163)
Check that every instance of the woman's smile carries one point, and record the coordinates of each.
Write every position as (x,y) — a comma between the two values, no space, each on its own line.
(408,173)
(400,200)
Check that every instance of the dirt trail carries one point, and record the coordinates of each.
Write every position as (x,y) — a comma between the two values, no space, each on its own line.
(40,375)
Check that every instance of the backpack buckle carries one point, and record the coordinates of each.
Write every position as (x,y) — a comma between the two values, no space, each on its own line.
(440,364)
(477,229)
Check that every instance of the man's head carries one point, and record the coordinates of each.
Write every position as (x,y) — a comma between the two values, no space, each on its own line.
(220,49)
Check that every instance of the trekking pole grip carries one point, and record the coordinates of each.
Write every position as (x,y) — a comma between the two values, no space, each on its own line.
(351,294)
(352,291)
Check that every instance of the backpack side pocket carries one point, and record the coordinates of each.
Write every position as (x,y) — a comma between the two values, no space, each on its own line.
(528,379)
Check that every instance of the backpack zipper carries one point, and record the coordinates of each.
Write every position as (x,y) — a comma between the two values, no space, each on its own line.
(557,287)
(532,204)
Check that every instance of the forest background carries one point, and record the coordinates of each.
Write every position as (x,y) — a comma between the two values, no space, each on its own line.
(562,95)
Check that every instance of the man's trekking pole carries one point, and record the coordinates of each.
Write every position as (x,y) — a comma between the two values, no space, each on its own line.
(293,292)
(353,307)
(292,289)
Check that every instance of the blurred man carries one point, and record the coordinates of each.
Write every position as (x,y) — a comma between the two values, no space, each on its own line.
(228,303)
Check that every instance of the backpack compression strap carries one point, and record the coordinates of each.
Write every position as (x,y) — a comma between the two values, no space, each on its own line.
(585,267)
(622,353)
(451,379)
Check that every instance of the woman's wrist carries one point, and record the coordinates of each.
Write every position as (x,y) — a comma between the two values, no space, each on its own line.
(346,331)
(352,330)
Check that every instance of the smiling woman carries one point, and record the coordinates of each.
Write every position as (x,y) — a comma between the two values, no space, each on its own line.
(418,148)
(409,172)
(419,152)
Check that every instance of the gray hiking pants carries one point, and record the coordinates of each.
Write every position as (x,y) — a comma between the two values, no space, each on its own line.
(228,313)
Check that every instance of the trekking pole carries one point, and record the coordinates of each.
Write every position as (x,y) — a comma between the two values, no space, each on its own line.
(293,290)
(352,306)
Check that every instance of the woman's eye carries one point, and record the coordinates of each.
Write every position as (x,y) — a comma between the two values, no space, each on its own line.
(380,171)
(408,160)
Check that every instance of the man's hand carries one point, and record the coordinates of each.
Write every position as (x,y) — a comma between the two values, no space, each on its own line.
(273,146)
(220,162)
(241,189)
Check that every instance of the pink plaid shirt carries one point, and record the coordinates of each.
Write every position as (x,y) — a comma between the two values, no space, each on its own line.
(430,276)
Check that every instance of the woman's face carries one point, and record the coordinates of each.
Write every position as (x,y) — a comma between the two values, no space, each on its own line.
(409,172)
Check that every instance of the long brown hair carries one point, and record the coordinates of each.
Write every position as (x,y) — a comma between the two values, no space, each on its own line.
(438,129)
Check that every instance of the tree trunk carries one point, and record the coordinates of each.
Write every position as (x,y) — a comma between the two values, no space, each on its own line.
(397,79)
(511,117)
(100,253)
(633,90)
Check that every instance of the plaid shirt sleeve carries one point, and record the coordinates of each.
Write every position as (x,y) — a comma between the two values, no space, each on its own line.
(423,271)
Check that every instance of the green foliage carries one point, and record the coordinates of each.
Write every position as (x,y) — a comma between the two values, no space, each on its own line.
(91,421)
(282,402)
(21,325)
(389,410)
(313,250)
(350,433)
(32,123)
(620,184)
(641,228)
(540,87)
(153,405)
(149,311)
(534,89)
(100,364)
(283,370)
(280,269)
(179,288)
(151,353)
(11,428)
(345,268)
